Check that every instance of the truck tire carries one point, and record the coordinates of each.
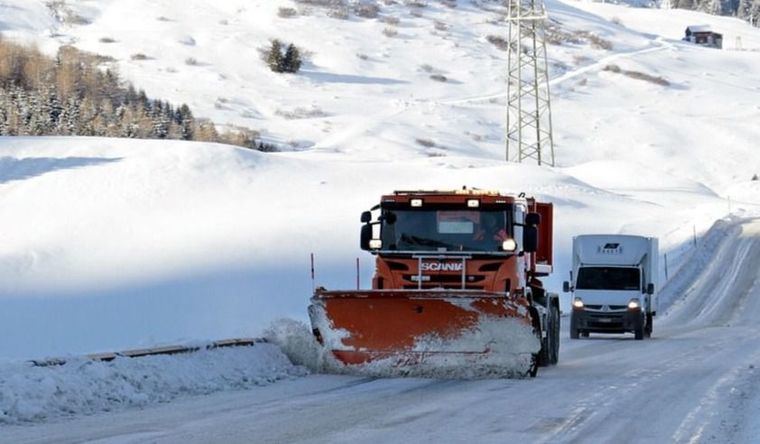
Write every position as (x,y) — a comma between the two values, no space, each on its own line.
(549,353)
(533,371)
(544,355)
(539,359)
(648,328)
(555,335)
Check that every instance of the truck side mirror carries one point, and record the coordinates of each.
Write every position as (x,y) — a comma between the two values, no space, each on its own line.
(650,288)
(366,217)
(365,237)
(566,287)
(532,219)
(530,239)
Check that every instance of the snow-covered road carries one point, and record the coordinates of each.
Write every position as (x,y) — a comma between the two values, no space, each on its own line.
(697,380)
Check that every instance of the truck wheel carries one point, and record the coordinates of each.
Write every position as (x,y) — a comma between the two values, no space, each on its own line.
(533,365)
(550,345)
(545,354)
(648,328)
(555,336)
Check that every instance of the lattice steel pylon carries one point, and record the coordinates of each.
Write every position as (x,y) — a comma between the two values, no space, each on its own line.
(529,120)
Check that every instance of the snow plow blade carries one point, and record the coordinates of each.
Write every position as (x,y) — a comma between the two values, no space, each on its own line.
(434,333)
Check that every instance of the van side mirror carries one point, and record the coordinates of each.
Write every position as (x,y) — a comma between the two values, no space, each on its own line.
(365,237)
(530,239)
(566,287)
(366,217)
(650,288)
(532,219)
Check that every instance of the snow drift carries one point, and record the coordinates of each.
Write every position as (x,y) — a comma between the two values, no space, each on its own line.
(30,394)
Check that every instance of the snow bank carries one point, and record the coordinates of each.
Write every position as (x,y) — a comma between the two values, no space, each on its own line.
(32,394)
(713,273)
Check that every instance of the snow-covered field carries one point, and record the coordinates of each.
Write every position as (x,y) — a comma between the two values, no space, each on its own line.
(110,244)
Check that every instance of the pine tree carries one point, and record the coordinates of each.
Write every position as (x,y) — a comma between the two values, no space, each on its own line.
(292,61)
(274,56)
(55,109)
(160,121)
(69,120)
(186,122)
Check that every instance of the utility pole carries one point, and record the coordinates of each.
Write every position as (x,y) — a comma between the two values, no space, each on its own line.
(529,121)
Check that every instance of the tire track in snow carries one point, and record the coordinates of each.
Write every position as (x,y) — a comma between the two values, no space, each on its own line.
(591,415)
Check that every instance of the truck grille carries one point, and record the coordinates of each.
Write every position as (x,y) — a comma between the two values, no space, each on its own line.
(443,278)
(434,285)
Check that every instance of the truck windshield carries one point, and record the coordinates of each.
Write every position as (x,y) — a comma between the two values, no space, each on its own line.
(608,278)
(444,230)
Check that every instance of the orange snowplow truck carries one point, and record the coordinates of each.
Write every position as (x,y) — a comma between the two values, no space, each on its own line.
(456,290)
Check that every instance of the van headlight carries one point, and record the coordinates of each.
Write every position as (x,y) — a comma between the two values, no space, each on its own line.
(578,303)
(634,304)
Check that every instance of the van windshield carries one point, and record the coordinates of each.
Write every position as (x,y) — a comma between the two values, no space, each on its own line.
(608,278)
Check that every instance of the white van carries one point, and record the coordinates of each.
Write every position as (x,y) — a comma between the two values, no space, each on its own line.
(613,284)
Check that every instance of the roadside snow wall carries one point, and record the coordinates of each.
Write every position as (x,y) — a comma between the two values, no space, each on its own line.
(32,394)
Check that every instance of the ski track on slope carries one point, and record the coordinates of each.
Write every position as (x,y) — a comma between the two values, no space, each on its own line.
(355,130)
(662,45)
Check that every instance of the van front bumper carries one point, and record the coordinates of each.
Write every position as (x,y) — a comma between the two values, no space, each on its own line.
(606,322)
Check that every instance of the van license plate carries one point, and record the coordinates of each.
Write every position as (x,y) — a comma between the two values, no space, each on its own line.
(605,320)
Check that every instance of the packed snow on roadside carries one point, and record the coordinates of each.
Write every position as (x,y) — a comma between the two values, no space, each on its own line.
(32,394)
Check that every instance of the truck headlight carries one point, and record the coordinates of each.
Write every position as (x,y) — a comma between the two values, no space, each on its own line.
(375,244)
(634,304)
(578,303)
(509,245)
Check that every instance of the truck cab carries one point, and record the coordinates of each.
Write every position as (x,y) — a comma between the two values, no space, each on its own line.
(613,283)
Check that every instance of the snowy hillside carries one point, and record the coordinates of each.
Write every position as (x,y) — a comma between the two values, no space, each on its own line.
(109,243)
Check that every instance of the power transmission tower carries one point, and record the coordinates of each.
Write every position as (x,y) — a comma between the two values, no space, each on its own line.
(529,121)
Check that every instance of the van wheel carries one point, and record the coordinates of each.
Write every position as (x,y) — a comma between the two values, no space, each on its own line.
(574,332)
(638,332)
